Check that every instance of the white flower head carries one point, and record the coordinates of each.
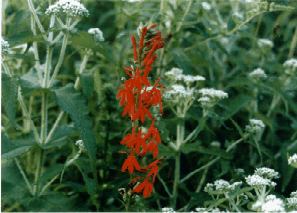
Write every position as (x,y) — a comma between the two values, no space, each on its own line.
(192,78)
(258,181)
(293,160)
(178,91)
(290,66)
(273,204)
(4,46)
(174,72)
(68,7)
(97,33)
(258,74)
(168,210)
(255,126)
(209,97)
(221,187)
(292,200)
(267,173)
(265,43)
(205,5)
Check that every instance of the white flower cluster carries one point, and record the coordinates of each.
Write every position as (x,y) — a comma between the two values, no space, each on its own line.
(97,33)
(221,187)
(205,210)
(209,96)
(68,7)
(176,74)
(293,160)
(168,210)
(258,74)
(258,181)
(179,91)
(265,43)
(267,173)
(4,46)
(255,126)
(273,204)
(291,66)
(292,200)
(262,177)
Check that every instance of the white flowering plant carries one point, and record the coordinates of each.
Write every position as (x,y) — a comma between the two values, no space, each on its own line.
(225,93)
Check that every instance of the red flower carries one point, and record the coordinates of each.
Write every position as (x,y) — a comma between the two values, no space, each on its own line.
(130,164)
(145,187)
(137,100)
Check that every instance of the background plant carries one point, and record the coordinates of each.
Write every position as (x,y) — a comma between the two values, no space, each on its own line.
(223,41)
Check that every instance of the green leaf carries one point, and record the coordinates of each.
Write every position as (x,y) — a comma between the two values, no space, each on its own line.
(182,60)
(84,40)
(74,104)
(11,149)
(233,105)
(193,147)
(87,83)
(23,37)
(31,83)
(9,96)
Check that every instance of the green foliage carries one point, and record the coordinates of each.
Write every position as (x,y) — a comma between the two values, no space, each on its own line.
(45,168)
(73,103)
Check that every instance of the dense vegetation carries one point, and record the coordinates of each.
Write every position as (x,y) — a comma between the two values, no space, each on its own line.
(228,128)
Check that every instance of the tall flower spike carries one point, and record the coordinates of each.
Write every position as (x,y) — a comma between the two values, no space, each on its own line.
(137,95)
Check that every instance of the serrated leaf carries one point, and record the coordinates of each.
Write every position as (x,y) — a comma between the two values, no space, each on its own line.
(74,104)
(11,149)
(9,96)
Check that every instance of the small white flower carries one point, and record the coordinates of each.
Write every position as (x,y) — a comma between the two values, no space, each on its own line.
(267,173)
(255,126)
(293,160)
(191,78)
(98,34)
(213,93)
(174,72)
(290,65)
(201,210)
(205,5)
(273,204)
(221,187)
(292,200)
(4,46)
(209,97)
(80,144)
(258,74)
(179,91)
(68,7)
(168,210)
(265,43)
(258,181)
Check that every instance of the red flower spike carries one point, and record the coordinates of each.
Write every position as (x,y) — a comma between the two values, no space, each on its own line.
(137,96)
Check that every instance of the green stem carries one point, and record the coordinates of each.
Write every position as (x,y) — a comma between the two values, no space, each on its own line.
(176,179)
(62,54)
(32,10)
(184,16)
(23,175)
(39,154)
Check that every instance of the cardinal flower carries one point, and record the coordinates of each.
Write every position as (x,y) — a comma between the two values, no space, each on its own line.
(137,96)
